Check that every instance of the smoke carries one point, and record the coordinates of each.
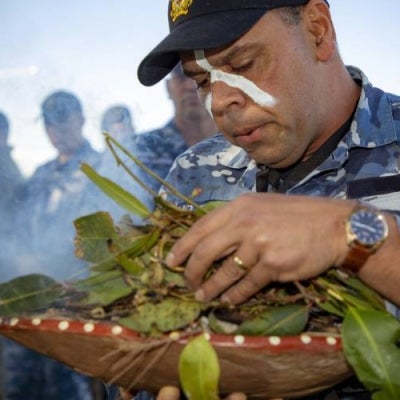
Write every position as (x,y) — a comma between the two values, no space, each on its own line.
(17,72)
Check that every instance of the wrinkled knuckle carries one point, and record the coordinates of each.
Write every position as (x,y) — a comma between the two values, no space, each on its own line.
(198,228)
(247,287)
(261,240)
(252,282)
(270,259)
(199,252)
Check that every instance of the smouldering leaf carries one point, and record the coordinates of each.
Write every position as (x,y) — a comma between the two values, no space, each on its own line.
(199,370)
(170,314)
(93,235)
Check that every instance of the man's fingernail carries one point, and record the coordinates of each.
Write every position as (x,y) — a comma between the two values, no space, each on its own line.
(199,295)
(226,300)
(170,259)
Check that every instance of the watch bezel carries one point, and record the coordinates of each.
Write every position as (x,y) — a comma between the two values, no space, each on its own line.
(354,238)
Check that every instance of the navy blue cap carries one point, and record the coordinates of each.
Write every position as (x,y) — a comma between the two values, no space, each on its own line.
(203,24)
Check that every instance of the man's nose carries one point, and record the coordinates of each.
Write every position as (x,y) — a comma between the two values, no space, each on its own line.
(224,96)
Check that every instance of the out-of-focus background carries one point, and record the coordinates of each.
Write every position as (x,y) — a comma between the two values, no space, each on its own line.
(93,48)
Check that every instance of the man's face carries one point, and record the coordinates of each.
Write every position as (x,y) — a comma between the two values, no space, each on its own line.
(67,137)
(262,90)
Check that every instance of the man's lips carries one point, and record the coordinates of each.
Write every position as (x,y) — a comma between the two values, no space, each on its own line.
(247,136)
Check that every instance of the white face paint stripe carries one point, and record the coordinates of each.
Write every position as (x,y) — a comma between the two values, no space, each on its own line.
(202,61)
(248,87)
(259,96)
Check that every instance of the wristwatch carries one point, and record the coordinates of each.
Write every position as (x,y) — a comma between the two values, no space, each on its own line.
(366,230)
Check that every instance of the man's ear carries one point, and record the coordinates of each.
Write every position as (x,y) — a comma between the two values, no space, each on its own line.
(318,21)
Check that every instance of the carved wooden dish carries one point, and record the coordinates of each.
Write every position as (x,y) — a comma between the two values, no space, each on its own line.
(262,367)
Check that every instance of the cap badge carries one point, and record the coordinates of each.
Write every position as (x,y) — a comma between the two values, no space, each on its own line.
(179,8)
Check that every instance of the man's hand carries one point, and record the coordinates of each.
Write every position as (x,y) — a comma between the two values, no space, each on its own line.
(267,237)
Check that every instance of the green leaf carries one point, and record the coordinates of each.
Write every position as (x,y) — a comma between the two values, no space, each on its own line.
(104,288)
(169,315)
(199,370)
(129,265)
(209,206)
(371,345)
(139,246)
(28,293)
(93,235)
(368,296)
(116,192)
(333,306)
(281,321)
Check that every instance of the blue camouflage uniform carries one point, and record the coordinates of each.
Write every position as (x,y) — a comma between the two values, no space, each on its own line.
(52,196)
(364,165)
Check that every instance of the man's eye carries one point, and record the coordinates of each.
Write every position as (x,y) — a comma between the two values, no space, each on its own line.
(204,83)
(242,68)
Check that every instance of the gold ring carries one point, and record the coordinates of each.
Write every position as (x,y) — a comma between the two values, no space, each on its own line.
(238,261)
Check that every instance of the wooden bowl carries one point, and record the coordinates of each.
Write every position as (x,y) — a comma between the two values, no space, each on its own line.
(261,367)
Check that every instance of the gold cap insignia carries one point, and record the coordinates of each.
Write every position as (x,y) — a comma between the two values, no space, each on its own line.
(179,8)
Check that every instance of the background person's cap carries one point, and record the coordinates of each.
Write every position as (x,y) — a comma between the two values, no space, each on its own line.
(59,106)
(203,24)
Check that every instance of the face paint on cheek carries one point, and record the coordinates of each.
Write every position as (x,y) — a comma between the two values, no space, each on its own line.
(207,103)
(248,87)
(259,96)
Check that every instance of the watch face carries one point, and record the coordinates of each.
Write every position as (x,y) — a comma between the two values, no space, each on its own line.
(369,227)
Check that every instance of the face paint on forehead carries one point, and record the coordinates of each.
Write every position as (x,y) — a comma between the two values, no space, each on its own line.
(248,87)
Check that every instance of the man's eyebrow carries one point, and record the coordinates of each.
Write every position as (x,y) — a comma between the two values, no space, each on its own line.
(237,50)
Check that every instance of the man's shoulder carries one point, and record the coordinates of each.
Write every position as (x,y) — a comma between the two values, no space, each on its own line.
(169,133)
(394,101)
(213,145)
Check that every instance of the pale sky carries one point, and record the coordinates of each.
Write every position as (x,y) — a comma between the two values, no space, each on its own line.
(93,48)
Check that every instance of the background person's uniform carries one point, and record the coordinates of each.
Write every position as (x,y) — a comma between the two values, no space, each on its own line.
(52,200)
(11,181)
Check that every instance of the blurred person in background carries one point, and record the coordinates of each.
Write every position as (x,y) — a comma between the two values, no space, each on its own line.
(117,121)
(51,198)
(50,204)
(157,148)
(11,180)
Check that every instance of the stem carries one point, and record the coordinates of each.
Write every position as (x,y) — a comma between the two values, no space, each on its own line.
(110,141)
